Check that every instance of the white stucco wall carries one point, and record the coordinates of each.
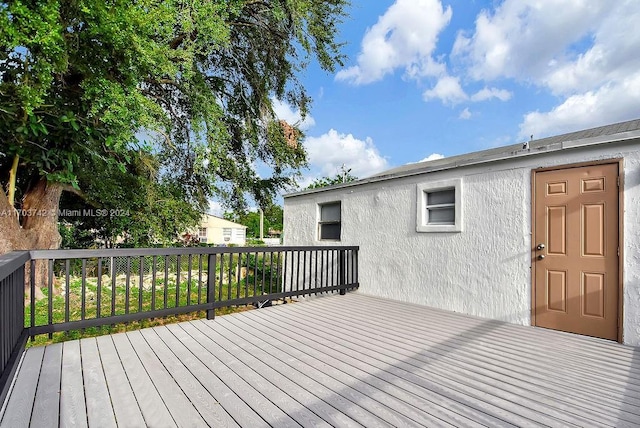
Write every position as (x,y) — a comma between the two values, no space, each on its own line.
(215,230)
(485,270)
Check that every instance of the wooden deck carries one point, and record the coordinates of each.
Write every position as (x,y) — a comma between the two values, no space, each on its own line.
(338,361)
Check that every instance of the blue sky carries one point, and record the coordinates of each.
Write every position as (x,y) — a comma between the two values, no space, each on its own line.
(439,78)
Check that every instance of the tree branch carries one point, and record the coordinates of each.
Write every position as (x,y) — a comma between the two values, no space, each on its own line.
(79,193)
(175,43)
(13,173)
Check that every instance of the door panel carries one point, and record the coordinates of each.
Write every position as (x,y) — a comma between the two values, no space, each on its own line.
(556,230)
(593,292)
(593,230)
(557,291)
(576,267)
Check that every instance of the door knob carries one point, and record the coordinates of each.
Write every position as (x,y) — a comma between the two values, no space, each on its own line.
(540,247)
(541,257)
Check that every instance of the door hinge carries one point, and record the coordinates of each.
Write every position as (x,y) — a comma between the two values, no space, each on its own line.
(618,181)
(618,251)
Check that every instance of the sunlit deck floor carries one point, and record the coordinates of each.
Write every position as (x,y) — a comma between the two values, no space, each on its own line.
(343,361)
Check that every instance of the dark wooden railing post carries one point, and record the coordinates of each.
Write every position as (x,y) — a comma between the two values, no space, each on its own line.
(211,286)
(342,274)
(353,269)
(32,297)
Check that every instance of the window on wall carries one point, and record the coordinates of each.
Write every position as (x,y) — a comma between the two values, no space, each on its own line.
(330,221)
(439,206)
(202,234)
(226,234)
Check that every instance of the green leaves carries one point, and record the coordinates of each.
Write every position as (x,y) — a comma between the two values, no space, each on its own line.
(188,86)
(33,127)
(344,176)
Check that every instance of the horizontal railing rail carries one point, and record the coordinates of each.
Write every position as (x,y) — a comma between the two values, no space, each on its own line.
(76,254)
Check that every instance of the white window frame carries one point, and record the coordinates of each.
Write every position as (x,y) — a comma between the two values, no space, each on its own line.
(203,237)
(320,222)
(241,234)
(227,233)
(423,189)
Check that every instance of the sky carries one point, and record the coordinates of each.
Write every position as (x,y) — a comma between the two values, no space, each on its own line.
(429,78)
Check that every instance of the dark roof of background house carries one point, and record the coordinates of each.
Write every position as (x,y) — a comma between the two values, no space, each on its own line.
(542,145)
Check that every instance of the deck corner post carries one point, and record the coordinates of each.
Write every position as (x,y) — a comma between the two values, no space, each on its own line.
(342,273)
(211,286)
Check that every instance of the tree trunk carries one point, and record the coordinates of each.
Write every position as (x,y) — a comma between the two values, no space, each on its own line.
(35,227)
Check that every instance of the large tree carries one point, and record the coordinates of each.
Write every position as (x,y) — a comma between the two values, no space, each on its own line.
(272,219)
(188,84)
(135,207)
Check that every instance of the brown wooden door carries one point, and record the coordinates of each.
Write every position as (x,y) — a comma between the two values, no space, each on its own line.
(576,273)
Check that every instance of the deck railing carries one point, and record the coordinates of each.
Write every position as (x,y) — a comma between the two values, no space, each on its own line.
(13,334)
(92,288)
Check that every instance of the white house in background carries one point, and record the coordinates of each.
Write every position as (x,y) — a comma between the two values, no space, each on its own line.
(216,230)
(544,234)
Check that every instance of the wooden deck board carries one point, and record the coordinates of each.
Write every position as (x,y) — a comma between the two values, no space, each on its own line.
(374,390)
(224,396)
(262,407)
(572,345)
(99,409)
(153,408)
(73,412)
(456,408)
(349,360)
(370,398)
(414,359)
(512,363)
(46,407)
(474,375)
(20,404)
(324,411)
(274,393)
(531,356)
(125,406)
(498,334)
(180,406)
(512,377)
(300,377)
(207,405)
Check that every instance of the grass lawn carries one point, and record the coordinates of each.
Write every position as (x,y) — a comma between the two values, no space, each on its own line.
(130,298)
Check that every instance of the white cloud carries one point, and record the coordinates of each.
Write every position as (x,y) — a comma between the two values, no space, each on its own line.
(305,181)
(583,51)
(448,90)
(465,114)
(330,151)
(525,38)
(432,156)
(489,93)
(404,37)
(608,104)
(285,112)
(215,208)
(612,56)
